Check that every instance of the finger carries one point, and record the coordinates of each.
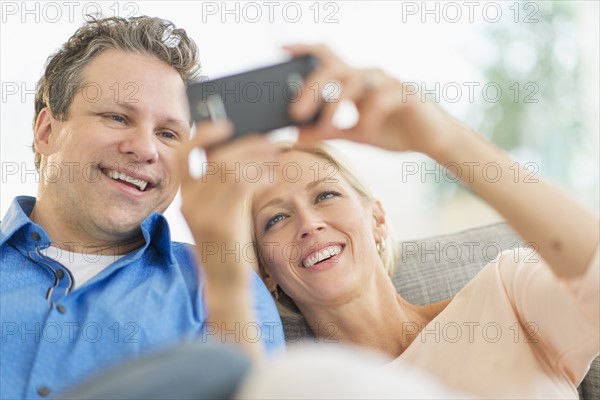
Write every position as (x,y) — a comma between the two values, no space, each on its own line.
(211,133)
(351,84)
(249,148)
(313,133)
(241,163)
(323,53)
(234,168)
(374,94)
(374,78)
(373,107)
(350,89)
(311,96)
(330,69)
(375,111)
(206,134)
(326,127)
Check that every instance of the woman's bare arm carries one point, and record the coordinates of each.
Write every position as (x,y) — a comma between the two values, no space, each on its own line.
(564,232)
(561,229)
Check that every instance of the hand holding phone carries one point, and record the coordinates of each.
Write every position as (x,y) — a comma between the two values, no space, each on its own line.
(254,101)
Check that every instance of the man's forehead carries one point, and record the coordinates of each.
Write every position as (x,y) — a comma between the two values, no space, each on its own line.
(134,82)
(139,69)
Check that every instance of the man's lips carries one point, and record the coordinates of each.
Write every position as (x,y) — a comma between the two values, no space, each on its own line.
(322,253)
(134,179)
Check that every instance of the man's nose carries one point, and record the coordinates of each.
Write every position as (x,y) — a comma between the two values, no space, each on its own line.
(141,143)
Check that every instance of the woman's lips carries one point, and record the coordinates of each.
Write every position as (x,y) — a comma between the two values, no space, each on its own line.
(324,253)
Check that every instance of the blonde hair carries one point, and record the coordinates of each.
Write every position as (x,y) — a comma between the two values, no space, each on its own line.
(286,306)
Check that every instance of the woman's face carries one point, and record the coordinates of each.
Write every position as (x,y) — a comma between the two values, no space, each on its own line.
(316,234)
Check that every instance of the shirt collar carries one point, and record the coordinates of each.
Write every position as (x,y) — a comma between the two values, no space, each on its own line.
(156,231)
(17,227)
(17,218)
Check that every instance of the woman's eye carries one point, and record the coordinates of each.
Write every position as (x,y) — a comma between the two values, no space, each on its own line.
(273,221)
(326,195)
(116,118)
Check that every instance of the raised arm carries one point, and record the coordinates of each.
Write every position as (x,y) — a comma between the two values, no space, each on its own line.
(213,209)
(564,232)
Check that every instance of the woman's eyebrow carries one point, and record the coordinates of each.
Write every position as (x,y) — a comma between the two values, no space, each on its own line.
(279,200)
(272,202)
(312,184)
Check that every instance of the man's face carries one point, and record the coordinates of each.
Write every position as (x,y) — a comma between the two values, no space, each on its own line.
(116,150)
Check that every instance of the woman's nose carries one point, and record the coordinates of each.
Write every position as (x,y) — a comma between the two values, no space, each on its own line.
(310,224)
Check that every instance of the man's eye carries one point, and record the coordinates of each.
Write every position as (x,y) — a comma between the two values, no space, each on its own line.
(326,195)
(273,221)
(168,135)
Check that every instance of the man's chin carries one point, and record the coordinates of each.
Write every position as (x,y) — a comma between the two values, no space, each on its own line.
(123,223)
(122,227)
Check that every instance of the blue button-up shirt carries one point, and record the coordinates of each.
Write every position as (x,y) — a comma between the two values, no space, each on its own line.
(53,337)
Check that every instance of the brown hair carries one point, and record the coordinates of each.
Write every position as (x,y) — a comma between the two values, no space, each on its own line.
(139,35)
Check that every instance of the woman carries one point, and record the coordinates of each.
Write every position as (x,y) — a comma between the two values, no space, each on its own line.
(320,243)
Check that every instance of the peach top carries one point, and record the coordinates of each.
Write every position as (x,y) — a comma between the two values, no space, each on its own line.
(514,331)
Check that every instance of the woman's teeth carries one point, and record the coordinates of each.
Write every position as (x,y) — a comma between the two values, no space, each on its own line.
(321,255)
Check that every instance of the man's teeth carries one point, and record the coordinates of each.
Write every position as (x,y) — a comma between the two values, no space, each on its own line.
(141,184)
(321,255)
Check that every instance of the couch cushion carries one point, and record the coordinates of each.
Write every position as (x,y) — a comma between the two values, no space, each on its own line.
(590,387)
(436,268)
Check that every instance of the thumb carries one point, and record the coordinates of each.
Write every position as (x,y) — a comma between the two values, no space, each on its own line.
(207,135)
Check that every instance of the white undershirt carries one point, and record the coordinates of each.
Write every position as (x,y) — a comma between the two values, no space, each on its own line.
(82,266)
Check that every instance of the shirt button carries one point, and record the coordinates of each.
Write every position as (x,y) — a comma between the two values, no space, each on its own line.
(60,274)
(61,309)
(35,236)
(43,391)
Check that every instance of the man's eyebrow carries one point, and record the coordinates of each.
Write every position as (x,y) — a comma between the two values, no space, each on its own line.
(106,102)
(183,125)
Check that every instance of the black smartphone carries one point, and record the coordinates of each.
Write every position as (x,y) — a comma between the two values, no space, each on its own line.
(254,101)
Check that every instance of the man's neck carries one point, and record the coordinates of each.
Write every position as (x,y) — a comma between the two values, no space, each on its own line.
(69,238)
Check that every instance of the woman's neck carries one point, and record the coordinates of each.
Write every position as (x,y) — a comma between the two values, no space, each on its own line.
(378,318)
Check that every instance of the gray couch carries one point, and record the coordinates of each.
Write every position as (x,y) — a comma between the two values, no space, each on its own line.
(436,268)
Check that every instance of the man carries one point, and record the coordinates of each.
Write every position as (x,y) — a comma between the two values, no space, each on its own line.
(89,275)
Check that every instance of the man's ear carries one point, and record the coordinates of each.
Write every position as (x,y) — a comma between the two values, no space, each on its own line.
(43,131)
(379,227)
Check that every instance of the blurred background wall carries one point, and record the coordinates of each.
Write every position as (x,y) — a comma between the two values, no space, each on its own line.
(523,73)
